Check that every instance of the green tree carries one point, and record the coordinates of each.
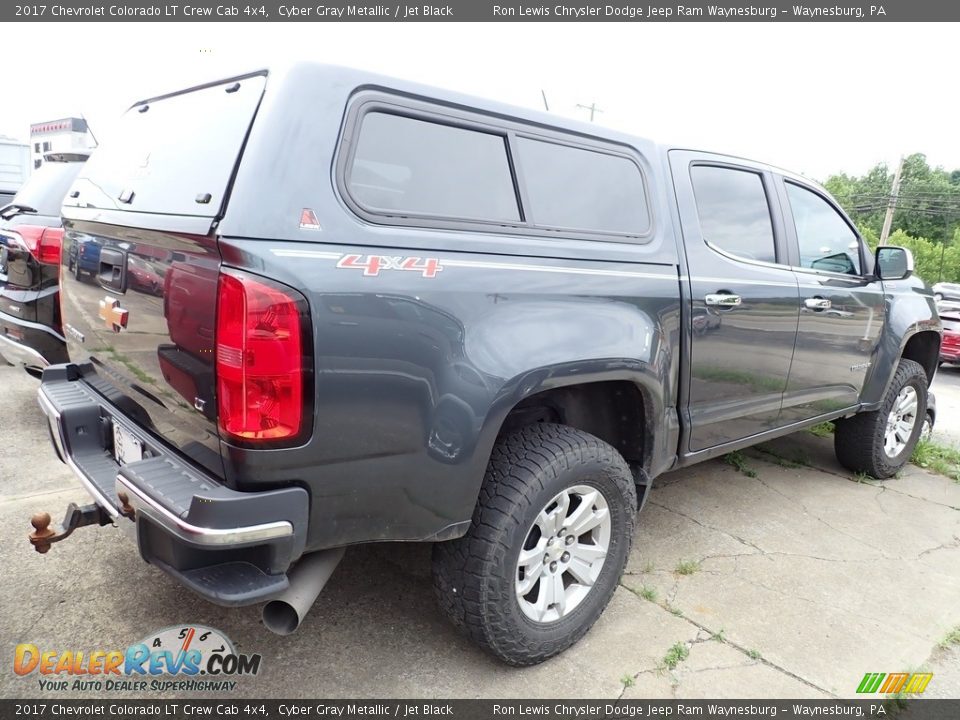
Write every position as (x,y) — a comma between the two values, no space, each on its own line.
(928,205)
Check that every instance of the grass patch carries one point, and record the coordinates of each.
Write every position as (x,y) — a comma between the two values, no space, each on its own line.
(648,567)
(718,636)
(824,430)
(938,458)
(862,477)
(675,610)
(675,655)
(951,638)
(687,567)
(627,681)
(754,654)
(647,593)
(738,460)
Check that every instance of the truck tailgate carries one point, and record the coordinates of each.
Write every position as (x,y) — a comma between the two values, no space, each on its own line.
(140,301)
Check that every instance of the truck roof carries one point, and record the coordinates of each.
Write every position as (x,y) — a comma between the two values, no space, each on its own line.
(321,73)
(314,72)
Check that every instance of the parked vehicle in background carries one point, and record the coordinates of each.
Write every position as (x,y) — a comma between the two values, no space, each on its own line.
(950,347)
(30,239)
(487,328)
(83,258)
(946,291)
(14,167)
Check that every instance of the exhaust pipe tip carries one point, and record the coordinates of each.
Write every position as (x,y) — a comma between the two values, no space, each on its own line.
(284,613)
(280,617)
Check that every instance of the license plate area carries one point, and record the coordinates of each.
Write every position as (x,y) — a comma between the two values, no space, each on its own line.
(126,447)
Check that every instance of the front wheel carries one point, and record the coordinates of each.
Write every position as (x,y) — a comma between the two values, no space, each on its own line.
(879,443)
(546,547)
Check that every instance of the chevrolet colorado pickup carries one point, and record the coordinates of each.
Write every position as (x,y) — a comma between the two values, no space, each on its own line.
(385,312)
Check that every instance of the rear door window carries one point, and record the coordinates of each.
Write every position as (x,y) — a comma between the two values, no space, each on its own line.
(405,166)
(734,212)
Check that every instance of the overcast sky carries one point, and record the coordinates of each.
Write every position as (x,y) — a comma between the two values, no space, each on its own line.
(813,98)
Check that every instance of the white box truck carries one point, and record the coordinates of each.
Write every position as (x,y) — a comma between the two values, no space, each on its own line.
(14,167)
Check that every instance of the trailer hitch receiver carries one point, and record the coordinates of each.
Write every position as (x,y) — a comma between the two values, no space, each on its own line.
(43,536)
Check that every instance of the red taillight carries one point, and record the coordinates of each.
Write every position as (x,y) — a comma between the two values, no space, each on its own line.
(42,242)
(259,358)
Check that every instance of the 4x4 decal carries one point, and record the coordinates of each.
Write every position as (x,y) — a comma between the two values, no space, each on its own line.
(373,265)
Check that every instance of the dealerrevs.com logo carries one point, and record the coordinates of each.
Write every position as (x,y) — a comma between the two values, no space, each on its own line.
(184,658)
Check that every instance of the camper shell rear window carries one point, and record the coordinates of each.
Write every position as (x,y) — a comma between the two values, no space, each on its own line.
(174,155)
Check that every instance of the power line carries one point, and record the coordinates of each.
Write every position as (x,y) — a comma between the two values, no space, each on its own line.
(592,107)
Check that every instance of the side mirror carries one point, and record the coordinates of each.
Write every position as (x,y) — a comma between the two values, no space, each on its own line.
(894,263)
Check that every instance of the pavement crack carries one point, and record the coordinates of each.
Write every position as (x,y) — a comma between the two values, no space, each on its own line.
(623,690)
(709,527)
(820,519)
(887,488)
(942,546)
(763,660)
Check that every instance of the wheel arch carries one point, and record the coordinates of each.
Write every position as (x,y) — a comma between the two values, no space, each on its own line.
(921,343)
(924,348)
(622,402)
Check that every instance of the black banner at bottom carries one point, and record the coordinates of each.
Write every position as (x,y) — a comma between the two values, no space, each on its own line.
(413,709)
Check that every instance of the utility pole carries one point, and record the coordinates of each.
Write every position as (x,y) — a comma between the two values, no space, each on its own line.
(592,107)
(545,105)
(892,205)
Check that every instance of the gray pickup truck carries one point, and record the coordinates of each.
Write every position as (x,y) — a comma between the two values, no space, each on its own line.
(333,308)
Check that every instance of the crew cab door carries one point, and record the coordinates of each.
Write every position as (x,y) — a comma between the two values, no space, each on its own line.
(743,300)
(842,310)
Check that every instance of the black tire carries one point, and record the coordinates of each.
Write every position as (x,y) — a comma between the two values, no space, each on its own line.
(475,575)
(859,440)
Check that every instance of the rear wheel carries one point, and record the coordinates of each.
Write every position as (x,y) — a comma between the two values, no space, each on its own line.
(879,443)
(547,545)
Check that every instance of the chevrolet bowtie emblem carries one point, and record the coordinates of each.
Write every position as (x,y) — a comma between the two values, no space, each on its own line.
(112,314)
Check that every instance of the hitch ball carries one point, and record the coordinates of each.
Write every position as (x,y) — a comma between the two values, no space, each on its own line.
(43,536)
(40,537)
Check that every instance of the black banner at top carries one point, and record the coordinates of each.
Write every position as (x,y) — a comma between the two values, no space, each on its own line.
(482,10)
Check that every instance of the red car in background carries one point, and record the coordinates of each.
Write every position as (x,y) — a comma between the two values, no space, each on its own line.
(950,345)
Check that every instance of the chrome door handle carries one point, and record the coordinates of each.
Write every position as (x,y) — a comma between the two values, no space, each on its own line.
(723,299)
(818,303)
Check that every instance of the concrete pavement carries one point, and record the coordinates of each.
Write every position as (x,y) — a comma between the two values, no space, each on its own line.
(784,577)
